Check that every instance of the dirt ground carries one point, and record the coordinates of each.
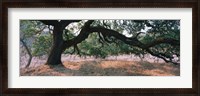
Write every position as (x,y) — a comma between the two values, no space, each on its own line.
(104,68)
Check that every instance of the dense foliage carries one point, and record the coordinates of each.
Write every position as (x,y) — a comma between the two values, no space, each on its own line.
(151,33)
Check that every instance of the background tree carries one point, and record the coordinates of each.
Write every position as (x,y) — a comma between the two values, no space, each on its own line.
(33,39)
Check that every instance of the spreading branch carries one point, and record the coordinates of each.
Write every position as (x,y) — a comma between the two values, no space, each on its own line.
(107,33)
(84,33)
(162,56)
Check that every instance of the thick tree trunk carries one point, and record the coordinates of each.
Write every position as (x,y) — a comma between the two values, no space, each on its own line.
(58,42)
(55,55)
(57,48)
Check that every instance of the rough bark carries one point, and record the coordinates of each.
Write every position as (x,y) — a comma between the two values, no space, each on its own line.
(55,55)
(57,48)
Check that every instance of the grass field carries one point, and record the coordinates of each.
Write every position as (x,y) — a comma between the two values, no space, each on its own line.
(104,68)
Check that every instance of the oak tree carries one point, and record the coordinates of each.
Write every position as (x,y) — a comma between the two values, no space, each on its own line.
(160,38)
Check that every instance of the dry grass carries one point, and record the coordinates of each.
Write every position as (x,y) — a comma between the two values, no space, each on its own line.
(104,68)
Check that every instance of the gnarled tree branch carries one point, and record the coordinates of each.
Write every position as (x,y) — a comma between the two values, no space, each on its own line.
(162,56)
(84,33)
(87,29)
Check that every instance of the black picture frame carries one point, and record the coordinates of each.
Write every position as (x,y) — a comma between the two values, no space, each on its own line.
(194,4)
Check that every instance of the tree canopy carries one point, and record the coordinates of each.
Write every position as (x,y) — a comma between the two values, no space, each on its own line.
(102,38)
